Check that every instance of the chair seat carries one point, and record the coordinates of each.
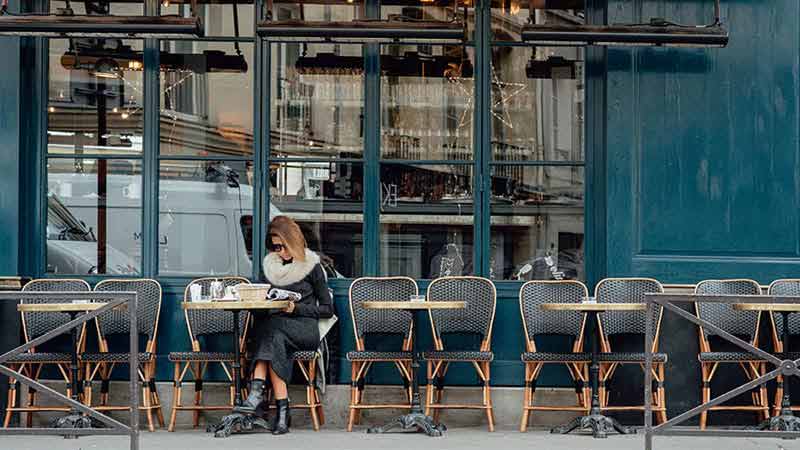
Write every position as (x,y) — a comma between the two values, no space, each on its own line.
(732,357)
(634,357)
(42,357)
(555,357)
(378,356)
(115,357)
(200,356)
(304,355)
(458,356)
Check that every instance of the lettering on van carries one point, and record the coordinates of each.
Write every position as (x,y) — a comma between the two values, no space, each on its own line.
(162,240)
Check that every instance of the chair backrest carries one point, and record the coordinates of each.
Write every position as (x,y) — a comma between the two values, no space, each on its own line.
(742,323)
(36,324)
(148,308)
(478,316)
(787,287)
(627,290)
(380,321)
(537,322)
(205,322)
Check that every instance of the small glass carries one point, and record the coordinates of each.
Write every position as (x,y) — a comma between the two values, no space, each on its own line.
(589,300)
(417,298)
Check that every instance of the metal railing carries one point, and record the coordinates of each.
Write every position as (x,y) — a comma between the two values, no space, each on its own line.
(114,300)
(783,367)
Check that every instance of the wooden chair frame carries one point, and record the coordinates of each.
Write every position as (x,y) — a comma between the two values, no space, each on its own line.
(437,369)
(34,369)
(198,369)
(360,369)
(752,370)
(579,371)
(147,370)
(607,369)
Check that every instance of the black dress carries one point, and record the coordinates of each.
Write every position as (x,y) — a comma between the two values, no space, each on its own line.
(277,334)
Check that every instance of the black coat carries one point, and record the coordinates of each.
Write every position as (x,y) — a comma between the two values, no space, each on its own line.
(277,335)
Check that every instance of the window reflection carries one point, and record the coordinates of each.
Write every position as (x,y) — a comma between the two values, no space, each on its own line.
(206,98)
(326,201)
(94,216)
(317,100)
(426,220)
(509,16)
(203,206)
(95,96)
(427,101)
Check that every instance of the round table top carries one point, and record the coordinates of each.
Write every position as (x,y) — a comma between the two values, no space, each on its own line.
(778,307)
(594,307)
(236,305)
(60,307)
(407,305)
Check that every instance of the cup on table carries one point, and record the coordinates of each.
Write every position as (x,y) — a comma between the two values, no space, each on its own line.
(231,292)
(195,292)
(417,298)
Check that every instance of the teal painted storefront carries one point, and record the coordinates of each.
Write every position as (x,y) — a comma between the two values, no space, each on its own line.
(692,167)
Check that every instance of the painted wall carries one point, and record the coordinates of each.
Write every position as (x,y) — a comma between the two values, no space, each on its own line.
(702,161)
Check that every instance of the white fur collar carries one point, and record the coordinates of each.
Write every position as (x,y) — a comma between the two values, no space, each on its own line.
(280,274)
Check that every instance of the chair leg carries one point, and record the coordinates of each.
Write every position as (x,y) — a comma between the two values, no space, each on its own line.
(354,368)
(527,398)
(662,397)
(198,395)
(320,409)
(778,397)
(11,401)
(429,390)
(487,396)
(763,390)
(706,387)
(311,394)
(176,396)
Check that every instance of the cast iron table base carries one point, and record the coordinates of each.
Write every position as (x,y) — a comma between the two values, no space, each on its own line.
(786,420)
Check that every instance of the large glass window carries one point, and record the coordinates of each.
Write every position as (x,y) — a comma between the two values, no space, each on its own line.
(537,187)
(206,198)
(94,148)
(426,213)
(317,146)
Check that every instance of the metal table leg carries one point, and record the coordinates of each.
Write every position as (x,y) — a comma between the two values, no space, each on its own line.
(416,418)
(599,424)
(74,419)
(236,421)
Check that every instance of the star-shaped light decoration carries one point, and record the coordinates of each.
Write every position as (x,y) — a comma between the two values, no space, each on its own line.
(506,91)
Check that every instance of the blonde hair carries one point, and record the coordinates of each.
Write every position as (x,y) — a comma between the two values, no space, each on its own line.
(288,231)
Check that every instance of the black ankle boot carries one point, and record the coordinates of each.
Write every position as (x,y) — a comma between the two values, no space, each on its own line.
(254,399)
(283,417)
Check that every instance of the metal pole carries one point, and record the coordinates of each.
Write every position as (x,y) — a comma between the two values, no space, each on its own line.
(134,370)
(648,375)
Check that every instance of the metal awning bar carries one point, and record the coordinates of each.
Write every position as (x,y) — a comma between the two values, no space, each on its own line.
(362,30)
(99,26)
(626,35)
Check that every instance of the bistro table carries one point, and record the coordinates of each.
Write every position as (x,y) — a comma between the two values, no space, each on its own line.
(599,423)
(74,419)
(416,418)
(786,420)
(237,421)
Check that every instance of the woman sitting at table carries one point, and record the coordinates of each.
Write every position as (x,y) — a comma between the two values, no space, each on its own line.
(291,266)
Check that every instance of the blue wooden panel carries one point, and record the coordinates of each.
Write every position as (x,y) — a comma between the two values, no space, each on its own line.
(703,147)
(9,156)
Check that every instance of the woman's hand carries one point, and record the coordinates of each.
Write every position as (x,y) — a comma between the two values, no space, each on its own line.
(289,309)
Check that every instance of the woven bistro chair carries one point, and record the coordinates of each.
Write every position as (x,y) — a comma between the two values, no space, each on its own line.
(117,323)
(538,323)
(787,287)
(368,322)
(476,319)
(743,324)
(622,323)
(31,363)
(202,323)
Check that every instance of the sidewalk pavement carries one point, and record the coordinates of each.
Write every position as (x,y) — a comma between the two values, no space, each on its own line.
(455,439)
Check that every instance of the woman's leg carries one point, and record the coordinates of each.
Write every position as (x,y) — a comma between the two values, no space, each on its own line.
(260,371)
(278,386)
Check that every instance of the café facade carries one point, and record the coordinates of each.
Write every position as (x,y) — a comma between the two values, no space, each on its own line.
(495,150)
